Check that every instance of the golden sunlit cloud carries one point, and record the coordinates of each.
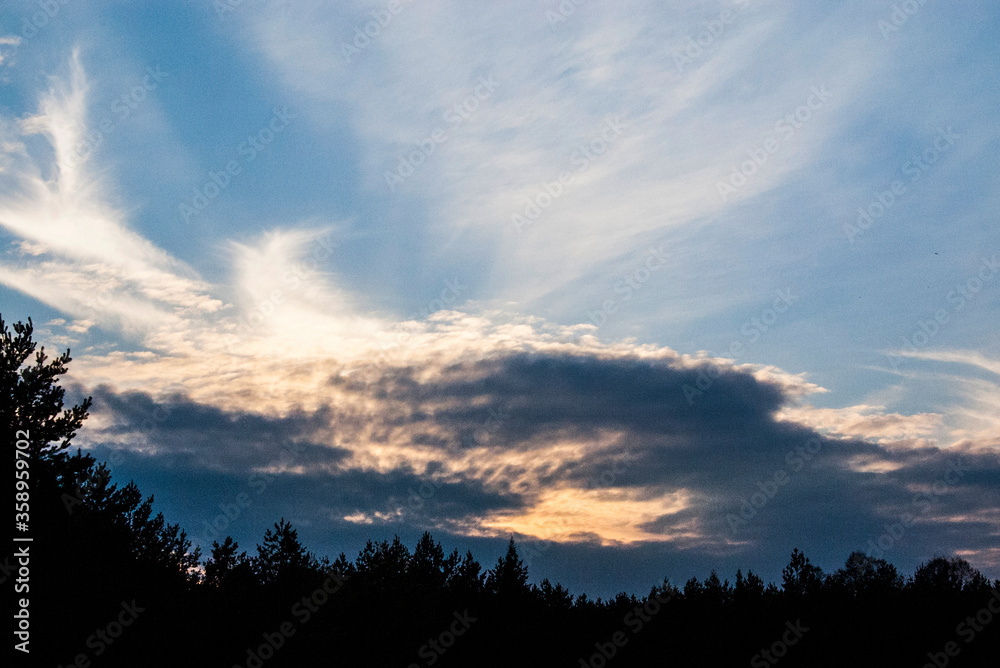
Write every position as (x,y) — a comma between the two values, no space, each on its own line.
(611,515)
(284,338)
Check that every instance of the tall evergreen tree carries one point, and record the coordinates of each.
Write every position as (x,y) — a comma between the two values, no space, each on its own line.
(800,576)
(227,567)
(510,576)
(281,559)
(33,399)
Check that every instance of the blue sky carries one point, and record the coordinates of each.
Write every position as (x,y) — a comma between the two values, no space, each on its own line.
(419,252)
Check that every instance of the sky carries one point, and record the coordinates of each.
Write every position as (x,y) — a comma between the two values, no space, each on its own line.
(655,288)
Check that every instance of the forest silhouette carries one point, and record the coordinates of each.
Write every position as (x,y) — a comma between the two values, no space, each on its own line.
(113,584)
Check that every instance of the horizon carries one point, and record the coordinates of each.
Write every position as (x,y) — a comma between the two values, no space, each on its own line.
(656,289)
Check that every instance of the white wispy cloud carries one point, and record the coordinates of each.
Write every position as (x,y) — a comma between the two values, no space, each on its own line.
(75,251)
(684,127)
(967,357)
(284,336)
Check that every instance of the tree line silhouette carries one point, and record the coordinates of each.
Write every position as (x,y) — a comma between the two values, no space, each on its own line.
(113,584)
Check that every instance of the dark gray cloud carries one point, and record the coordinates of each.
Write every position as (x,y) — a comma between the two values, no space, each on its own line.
(785,484)
(536,393)
(190,434)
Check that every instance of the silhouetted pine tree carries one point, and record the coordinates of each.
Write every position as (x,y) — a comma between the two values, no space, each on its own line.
(281,559)
(104,548)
